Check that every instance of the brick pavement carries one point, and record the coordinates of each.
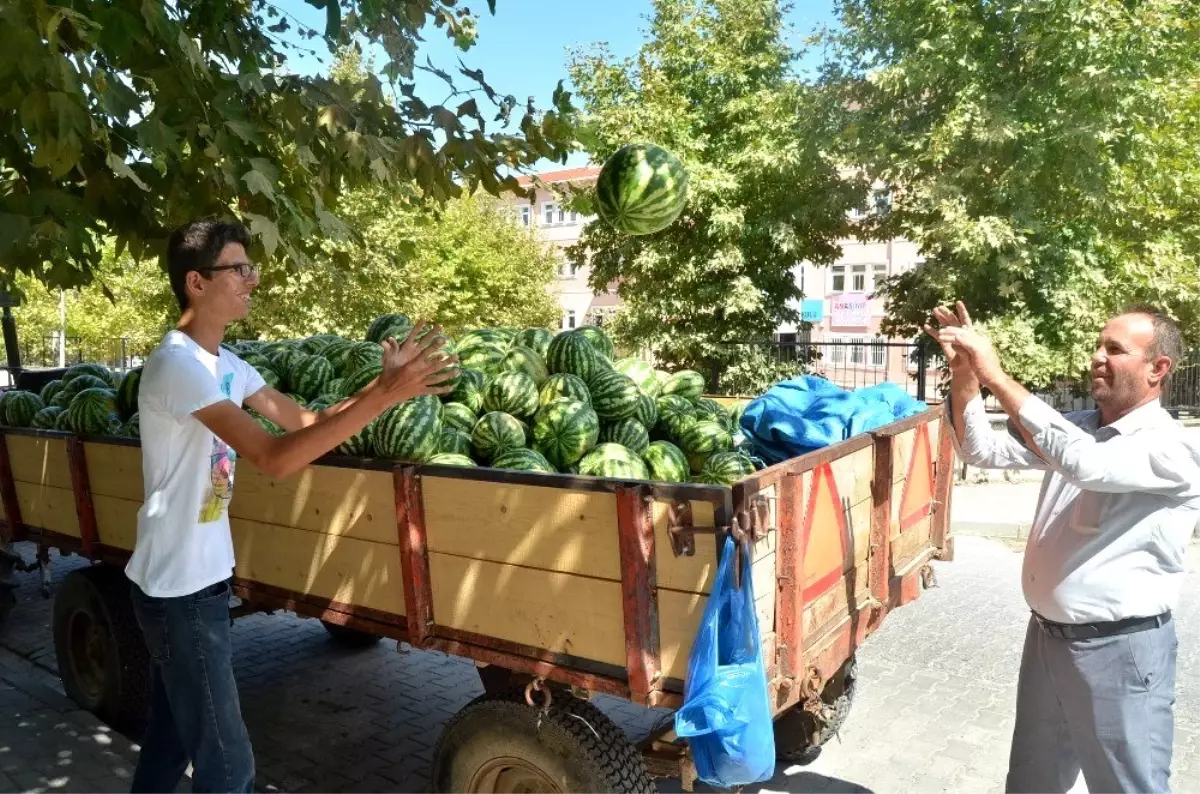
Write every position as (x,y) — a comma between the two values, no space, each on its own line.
(933,712)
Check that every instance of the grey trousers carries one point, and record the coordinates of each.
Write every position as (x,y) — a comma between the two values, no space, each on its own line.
(1104,706)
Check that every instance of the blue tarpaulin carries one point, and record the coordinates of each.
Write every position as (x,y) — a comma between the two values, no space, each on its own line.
(807,413)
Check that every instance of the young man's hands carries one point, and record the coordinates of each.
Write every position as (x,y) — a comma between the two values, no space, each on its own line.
(416,366)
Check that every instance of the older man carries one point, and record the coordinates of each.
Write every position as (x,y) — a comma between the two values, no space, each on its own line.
(1105,558)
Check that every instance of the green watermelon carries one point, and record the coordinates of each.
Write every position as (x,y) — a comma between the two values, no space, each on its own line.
(675,414)
(564,430)
(335,389)
(570,351)
(271,378)
(268,425)
(354,356)
(50,390)
(284,363)
(95,370)
(127,394)
(523,359)
(487,358)
(702,439)
(511,393)
(735,416)
(62,420)
(451,459)
(614,396)
(495,432)
(257,360)
(317,345)
(496,337)
(468,390)
(629,433)
(454,441)
(459,416)
(93,412)
(361,378)
(536,339)
(706,406)
(523,460)
(564,385)
(409,431)
(132,428)
(77,384)
(310,376)
(666,462)
(647,411)
(396,326)
(641,189)
(613,460)
(686,383)
(640,372)
(19,408)
(46,418)
(601,341)
(726,468)
(359,444)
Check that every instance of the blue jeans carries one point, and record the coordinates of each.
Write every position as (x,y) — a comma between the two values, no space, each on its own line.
(195,714)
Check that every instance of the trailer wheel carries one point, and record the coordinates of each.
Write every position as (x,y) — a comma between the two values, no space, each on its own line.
(8,600)
(348,637)
(498,743)
(101,654)
(794,730)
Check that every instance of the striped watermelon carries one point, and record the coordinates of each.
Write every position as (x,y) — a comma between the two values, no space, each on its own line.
(666,462)
(487,358)
(511,393)
(19,408)
(726,468)
(641,189)
(334,389)
(735,416)
(523,460)
(564,385)
(564,430)
(640,372)
(257,360)
(267,424)
(451,459)
(647,411)
(358,445)
(50,390)
(317,345)
(46,418)
(361,378)
(76,385)
(93,412)
(271,378)
(95,370)
(571,352)
(454,441)
(469,389)
(495,432)
(675,415)
(127,394)
(686,383)
(396,326)
(458,416)
(613,460)
(614,396)
(284,363)
(524,359)
(601,341)
(355,356)
(629,433)
(132,428)
(536,339)
(61,422)
(706,406)
(310,376)
(409,431)
(702,440)
(497,337)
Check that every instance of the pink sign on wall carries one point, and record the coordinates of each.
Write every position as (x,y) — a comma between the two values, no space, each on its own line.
(850,310)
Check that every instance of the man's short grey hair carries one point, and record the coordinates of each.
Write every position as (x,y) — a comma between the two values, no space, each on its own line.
(1168,341)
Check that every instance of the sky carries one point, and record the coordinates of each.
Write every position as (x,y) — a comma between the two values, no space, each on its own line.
(522,50)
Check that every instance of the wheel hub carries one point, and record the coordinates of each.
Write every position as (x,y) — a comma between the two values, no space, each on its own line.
(88,652)
(512,776)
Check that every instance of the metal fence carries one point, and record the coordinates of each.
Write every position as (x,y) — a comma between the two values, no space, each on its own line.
(120,353)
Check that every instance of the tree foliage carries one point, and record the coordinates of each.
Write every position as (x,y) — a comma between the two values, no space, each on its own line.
(1044,155)
(123,119)
(713,84)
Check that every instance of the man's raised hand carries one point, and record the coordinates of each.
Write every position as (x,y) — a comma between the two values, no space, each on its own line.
(959,318)
(417,366)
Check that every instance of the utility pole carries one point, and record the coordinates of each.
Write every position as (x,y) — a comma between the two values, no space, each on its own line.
(7,302)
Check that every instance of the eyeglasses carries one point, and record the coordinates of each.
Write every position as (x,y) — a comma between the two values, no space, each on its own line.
(243,269)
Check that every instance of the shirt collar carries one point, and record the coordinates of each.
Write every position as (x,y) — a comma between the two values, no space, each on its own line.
(1148,415)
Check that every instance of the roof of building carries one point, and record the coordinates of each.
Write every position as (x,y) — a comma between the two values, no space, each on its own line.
(563,175)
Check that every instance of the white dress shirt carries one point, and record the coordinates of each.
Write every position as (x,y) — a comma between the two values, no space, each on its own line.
(1117,507)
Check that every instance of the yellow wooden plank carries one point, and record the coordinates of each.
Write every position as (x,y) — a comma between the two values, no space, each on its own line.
(554,611)
(337,567)
(832,604)
(853,474)
(116,521)
(695,574)
(39,460)
(326,499)
(115,470)
(553,529)
(910,543)
(858,527)
(48,507)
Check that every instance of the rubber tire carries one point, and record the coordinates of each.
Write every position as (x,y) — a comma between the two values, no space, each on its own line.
(348,637)
(793,729)
(8,602)
(101,592)
(578,746)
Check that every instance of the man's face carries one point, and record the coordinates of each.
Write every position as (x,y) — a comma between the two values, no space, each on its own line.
(225,291)
(1123,371)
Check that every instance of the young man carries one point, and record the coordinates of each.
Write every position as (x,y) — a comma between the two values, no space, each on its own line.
(193,432)
(1104,562)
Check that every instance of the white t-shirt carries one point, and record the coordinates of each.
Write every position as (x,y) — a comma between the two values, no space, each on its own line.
(183,538)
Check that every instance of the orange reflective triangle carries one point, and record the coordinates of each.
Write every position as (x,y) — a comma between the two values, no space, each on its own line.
(824,534)
(918,487)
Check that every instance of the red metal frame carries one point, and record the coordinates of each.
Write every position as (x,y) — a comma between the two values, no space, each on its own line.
(942,491)
(789,575)
(11,527)
(414,554)
(82,486)
(882,485)
(639,593)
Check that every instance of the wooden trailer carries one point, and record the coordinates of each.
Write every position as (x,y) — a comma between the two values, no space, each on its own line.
(558,587)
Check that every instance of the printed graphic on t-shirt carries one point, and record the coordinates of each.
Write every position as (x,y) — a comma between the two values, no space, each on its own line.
(220,465)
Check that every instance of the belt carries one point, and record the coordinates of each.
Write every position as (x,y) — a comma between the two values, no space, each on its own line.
(1087,631)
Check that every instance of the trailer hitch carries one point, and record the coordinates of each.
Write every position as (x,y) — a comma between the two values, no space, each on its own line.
(749,525)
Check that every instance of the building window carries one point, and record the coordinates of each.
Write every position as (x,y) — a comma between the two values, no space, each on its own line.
(883,202)
(568,319)
(566,269)
(553,213)
(879,352)
(857,353)
(524,214)
(839,278)
(859,278)
(878,274)
(837,351)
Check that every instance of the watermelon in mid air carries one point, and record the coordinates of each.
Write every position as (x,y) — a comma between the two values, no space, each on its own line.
(641,189)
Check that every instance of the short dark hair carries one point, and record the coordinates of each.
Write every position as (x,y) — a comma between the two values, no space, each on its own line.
(1168,341)
(197,246)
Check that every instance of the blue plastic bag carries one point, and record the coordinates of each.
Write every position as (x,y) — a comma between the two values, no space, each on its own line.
(726,713)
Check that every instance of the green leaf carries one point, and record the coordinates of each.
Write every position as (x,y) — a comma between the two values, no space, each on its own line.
(333,20)
(257,182)
(263,228)
(121,169)
(245,130)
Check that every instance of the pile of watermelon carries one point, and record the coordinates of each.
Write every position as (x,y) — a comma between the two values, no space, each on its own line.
(524,400)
